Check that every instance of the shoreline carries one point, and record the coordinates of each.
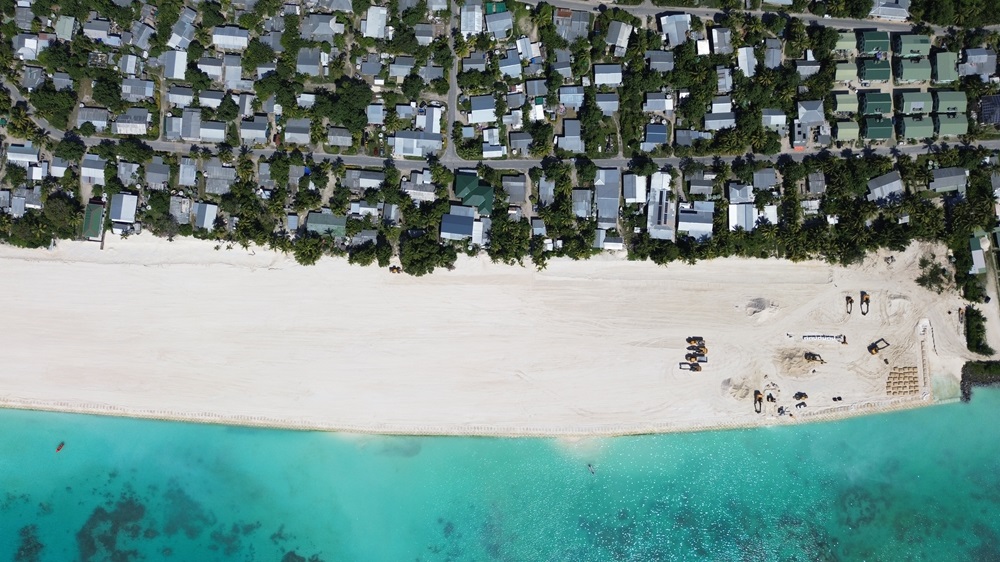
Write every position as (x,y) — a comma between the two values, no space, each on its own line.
(259,422)
(153,329)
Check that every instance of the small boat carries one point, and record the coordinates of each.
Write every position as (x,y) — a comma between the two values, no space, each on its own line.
(60,447)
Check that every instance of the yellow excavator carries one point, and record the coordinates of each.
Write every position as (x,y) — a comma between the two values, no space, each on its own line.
(850,304)
(877,345)
(701,348)
(814,357)
(695,340)
(864,303)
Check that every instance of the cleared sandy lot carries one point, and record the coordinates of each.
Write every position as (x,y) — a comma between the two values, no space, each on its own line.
(180,330)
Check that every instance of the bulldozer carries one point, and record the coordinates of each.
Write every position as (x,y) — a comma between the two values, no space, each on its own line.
(694,367)
(814,357)
(850,304)
(865,302)
(877,345)
(695,340)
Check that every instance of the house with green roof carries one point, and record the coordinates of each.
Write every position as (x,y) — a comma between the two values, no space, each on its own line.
(875,70)
(93,222)
(945,67)
(847,41)
(946,101)
(877,128)
(845,72)
(473,192)
(846,103)
(916,128)
(325,223)
(913,45)
(951,125)
(876,103)
(915,103)
(913,70)
(874,42)
(847,131)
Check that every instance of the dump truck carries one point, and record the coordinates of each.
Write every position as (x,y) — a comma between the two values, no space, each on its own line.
(690,367)
(696,358)
(850,304)
(864,303)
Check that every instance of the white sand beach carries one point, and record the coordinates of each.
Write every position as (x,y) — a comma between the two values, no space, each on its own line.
(179,330)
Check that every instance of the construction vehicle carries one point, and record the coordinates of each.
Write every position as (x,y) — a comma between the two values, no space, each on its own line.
(815,357)
(690,367)
(850,304)
(877,345)
(695,340)
(695,358)
(864,303)
(698,349)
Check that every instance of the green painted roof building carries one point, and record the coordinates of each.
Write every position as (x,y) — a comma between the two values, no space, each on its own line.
(846,41)
(917,128)
(916,103)
(876,70)
(912,45)
(846,103)
(946,101)
(326,224)
(914,70)
(951,126)
(877,128)
(945,67)
(846,71)
(874,42)
(876,103)
(93,221)
(847,131)
(473,192)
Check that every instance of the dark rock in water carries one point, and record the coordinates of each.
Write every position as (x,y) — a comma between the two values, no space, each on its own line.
(184,514)
(30,548)
(98,538)
(449,528)
(293,557)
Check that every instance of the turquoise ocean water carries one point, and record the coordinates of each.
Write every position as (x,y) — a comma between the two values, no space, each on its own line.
(917,485)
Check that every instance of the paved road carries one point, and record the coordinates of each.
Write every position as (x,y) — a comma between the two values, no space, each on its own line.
(450,155)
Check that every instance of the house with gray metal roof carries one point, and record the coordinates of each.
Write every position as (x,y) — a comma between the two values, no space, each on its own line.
(519,142)
(676,28)
(746,61)
(718,121)
(772,53)
(483,109)
(661,216)
(571,96)
(571,24)
(608,188)
(570,140)
(499,24)
(188,173)
(62,81)
(695,219)
(255,131)
(607,102)
(182,32)
(617,37)
(516,187)
(157,173)
(98,116)
(135,90)
(946,180)
(123,211)
(205,215)
(660,61)
(230,38)
(510,64)
(135,121)
(219,178)
(608,75)
(583,203)
(656,135)
(979,62)
(32,77)
(321,27)
(297,131)
(722,41)
(886,187)
(180,209)
(92,169)
(374,23)
(308,62)
(416,144)
(339,136)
